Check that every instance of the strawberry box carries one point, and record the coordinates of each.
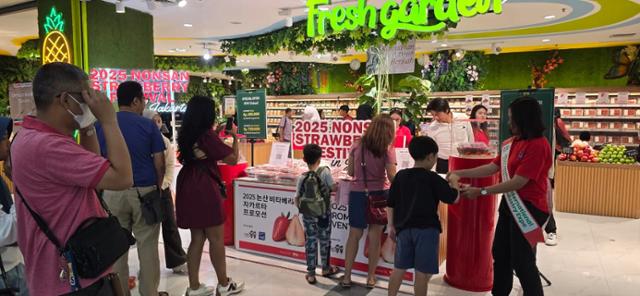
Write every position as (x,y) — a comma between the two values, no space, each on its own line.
(616,112)
(578,112)
(616,125)
(592,125)
(575,124)
(566,112)
(603,112)
(590,112)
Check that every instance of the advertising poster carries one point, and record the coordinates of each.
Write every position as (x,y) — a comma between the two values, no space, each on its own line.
(229,106)
(21,101)
(267,222)
(335,137)
(252,113)
(400,58)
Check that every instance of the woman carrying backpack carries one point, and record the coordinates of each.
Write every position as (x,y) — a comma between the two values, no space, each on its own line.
(372,164)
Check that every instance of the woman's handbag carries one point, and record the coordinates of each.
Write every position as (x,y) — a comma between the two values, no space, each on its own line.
(107,286)
(94,247)
(377,202)
(152,207)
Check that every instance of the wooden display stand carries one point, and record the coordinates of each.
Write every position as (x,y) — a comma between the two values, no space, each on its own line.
(598,189)
(442,213)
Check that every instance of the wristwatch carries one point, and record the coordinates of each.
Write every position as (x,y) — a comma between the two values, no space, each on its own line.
(484,191)
(90,131)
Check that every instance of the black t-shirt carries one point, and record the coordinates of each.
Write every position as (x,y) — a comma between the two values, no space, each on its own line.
(414,197)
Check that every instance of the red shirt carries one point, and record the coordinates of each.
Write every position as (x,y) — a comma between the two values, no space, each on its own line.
(480,136)
(403,137)
(530,159)
(347,117)
(57,178)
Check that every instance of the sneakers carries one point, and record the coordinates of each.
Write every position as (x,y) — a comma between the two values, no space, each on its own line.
(551,240)
(182,269)
(232,288)
(201,291)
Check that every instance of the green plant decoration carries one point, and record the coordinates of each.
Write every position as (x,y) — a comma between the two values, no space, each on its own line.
(53,22)
(193,64)
(251,79)
(197,87)
(290,78)
(29,50)
(626,63)
(449,71)
(294,39)
(14,70)
(418,90)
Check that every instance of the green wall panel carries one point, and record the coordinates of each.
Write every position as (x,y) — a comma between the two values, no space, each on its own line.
(119,40)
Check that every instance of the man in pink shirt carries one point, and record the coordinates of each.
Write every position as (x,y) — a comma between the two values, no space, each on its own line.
(57,177)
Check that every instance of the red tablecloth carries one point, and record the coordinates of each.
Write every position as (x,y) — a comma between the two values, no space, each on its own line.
(230,173)
(470,229)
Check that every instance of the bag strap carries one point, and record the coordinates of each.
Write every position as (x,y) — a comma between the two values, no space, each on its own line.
(363,163)
(41,223)
(209,172)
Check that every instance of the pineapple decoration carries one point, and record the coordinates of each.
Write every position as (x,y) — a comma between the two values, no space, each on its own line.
(55,47)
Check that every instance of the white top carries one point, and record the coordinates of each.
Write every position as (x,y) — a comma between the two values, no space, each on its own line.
(169,163)
(11,256)
(441,133)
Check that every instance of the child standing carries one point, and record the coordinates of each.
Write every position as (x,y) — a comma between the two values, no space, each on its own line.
(313,198)
(413,216)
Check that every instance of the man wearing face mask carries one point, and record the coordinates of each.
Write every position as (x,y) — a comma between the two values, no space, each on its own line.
(57,177)
(146,148)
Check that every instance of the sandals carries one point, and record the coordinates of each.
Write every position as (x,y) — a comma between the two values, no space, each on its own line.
(345,285)
(371,284)
(333,270)
(311,279)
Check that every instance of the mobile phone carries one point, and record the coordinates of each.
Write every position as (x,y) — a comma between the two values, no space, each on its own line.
(229,126)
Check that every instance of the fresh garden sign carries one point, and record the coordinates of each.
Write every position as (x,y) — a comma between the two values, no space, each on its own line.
(410,15)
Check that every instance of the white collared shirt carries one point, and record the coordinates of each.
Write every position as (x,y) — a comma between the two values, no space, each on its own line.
(441,133)
(11,255)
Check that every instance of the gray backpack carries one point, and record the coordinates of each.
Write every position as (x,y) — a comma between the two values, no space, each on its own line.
(315,196)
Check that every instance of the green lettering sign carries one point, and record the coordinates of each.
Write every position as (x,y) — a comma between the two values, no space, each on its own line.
(410,15)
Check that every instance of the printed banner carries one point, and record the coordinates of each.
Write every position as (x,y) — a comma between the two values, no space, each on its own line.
(335,137)
(158,86)
(21,101)
(267,222)
(400,58)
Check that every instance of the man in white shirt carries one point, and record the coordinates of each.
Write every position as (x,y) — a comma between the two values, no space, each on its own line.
(285,127)
(447,132)
(12,261)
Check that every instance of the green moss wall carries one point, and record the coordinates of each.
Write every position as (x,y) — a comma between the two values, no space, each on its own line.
(581,68)
(119,40)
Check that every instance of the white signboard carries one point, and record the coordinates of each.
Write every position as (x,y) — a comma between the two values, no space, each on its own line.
(403,159)
(335,137)
(563,98)
(623,98)
(581,98)
(603,98)
(279,153)
(401,58)
(268,223)
(229,106)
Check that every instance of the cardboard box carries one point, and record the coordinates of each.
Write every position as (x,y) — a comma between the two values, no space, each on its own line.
(590,112)
(616,112)
(603,112)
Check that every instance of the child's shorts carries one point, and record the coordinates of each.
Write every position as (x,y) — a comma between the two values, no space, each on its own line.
(418,248)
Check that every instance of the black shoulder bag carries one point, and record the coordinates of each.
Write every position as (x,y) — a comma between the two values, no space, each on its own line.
(96,244)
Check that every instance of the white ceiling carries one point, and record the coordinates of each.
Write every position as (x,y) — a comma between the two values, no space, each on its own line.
(213,20)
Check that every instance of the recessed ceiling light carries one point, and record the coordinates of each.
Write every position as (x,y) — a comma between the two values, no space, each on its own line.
(172,50)
(182,3)
(181,49)
(434,41)
(119,7)
(323,8)
(188,25)
(546,40)
(549,17)
(235,23)
(444,45)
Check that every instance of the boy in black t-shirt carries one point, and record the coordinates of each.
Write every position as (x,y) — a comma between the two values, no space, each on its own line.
(413,216)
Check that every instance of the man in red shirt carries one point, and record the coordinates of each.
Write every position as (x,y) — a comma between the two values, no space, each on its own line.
(57,177)
(344,112)
(524,163)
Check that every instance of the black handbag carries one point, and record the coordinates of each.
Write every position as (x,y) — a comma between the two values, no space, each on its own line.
(152,207)
(96,244)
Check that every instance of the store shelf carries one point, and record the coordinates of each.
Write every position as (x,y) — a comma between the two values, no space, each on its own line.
(602,130)
(604,118)
(302,108)
(599,106)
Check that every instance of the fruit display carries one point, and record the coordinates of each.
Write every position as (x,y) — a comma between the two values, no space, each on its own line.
(295,232)
(615,155)
(280,227)
(474,149)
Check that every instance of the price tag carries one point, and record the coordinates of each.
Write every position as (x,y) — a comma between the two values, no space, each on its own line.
(623,98)
(631,153)
(603,98)
(403,159)
(563,98)
(279,153)
(581,98)
(486,100)
(468,98)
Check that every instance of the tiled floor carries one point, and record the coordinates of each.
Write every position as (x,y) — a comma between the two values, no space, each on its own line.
(596,256)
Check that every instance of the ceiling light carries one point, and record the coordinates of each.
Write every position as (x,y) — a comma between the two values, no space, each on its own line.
(230,83)
(444,45)
(119,7)
(181,49)
(172,50)
(206,56)
(188,25)
(549,17)
(235,23)
(182,3)
(289,22)
(546,40)
(318,56)
(227,59)
(434,41)
(204,80)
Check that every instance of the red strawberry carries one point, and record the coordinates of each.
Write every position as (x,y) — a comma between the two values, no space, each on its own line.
(280,226)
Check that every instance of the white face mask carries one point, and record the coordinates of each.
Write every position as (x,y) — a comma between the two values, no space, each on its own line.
(87,118)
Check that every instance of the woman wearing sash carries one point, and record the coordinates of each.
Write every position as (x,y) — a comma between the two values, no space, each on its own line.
(523,163)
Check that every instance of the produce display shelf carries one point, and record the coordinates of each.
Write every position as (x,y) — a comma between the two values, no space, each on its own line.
(599,106)
(602,117)
(603,130)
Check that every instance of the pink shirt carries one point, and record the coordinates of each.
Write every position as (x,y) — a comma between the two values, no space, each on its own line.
(57,177)
(376,169)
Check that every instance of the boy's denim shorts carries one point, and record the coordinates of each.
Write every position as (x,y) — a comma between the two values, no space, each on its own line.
(418,248)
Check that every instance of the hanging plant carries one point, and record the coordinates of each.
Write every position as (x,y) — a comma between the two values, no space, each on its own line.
(193,63)
(538,73)
(449,71)
(294,39)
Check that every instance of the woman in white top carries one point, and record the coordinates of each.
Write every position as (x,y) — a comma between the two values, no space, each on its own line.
(440,130)
(176,258)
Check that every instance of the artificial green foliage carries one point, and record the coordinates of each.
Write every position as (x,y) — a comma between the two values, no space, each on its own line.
(249,78)
(450,73)
(29,50)
(294,39)
(14,70)
(193,64)
(197,87)
(290,78)
(418,98)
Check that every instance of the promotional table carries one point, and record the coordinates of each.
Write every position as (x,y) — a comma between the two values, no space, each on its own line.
(470,233)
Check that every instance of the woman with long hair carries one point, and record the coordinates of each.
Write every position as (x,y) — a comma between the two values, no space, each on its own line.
(372,164)
(480,130)
(403,134)
(199,198)
(524,163)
